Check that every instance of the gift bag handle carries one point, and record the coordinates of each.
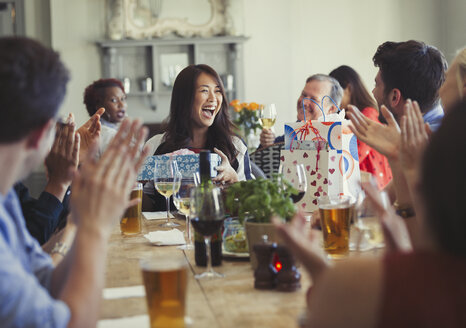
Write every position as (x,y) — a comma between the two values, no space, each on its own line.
(321,106)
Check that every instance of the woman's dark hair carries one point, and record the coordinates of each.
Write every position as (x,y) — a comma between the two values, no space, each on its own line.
(413,67)
(360,97)
(443,182)
(179,126)
(33,85)
(95,93)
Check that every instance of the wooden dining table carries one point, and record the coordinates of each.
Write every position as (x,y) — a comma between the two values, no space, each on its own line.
(231,301)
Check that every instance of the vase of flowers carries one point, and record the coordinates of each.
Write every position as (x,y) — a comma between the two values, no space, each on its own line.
(247,120)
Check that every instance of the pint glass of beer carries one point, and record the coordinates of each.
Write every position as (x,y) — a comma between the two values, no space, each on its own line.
(336,213)
(130,223)
(165,280)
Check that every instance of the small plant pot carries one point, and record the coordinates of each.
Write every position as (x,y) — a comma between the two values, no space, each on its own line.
(254,232)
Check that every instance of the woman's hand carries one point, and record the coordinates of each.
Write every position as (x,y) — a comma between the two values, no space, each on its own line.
(226,174)
(304,244)
(383,138)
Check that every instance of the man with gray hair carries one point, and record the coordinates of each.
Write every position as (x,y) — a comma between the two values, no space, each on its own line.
(316,88)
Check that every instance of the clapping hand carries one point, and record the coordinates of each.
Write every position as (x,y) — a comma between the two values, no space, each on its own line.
(383,138)
(90,133)
(62,161)
(226,174)
(101,187)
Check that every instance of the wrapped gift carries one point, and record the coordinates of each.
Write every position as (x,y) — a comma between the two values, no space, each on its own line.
(329,153)
(187,164)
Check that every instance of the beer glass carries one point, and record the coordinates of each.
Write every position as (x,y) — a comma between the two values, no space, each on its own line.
(336,213)
(165,280)
(130,223)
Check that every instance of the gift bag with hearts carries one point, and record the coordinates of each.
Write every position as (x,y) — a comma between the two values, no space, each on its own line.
(328,150)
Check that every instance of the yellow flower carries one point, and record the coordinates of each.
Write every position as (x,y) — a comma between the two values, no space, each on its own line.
(253,106)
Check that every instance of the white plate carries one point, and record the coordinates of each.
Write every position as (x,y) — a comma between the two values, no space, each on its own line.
(226,253)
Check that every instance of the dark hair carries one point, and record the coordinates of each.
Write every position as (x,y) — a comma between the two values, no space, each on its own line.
(33,84)
(179,126)
(443,186)
(336,91)
(416,69)
(95,93)
(360,97)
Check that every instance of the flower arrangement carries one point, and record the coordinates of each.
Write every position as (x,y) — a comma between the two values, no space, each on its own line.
(247,116)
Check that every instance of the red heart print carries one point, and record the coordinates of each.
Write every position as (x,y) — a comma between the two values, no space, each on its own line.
(289,171)
(314,201)
(303,205)
(313,183)
(292,180)
(282,159)
(313,172)
(320,189)
(325,181)
(318,156)
(331,171)
(308,168)
(319,176)
(325,194)
(332,158)
(317,194)
(305,155)
(295,162)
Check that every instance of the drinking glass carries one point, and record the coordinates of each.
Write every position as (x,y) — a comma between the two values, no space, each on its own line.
(183,204)
(267,116)
(207,217)
(167,182)
(296,176)
(130,223)
(368,222)
(336,212)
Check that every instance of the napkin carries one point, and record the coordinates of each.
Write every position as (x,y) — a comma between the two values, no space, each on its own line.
(141,321)
(156,215)
(169,237)
(123,292)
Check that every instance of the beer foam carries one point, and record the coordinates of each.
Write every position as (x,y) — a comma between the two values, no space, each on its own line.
(163,263)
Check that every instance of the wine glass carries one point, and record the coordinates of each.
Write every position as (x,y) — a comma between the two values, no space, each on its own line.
(368,222)
(207,217)
(167,181)
(296,176)
(181,199)
(267,116)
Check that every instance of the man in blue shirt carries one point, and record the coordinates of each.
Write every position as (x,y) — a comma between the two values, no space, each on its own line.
(32,292)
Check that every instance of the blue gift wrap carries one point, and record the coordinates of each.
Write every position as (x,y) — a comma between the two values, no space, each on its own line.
(187,164)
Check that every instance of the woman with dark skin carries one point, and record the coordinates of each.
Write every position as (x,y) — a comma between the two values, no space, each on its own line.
(199,120)
(108,94)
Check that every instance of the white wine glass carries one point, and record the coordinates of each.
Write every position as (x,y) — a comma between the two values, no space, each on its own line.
(167,182)
(267,116)
(296,176)
(182,201)
(207,217)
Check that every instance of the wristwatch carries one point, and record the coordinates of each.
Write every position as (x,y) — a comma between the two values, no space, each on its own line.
(404,211)
(59,248)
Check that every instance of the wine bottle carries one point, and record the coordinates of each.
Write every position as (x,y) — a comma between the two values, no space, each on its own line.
(200,255)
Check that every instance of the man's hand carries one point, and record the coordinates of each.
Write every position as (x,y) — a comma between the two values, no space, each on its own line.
(90,133)
(383,138)
(62,161)
(101,188)
(267,137)
(414,138)
(226,174)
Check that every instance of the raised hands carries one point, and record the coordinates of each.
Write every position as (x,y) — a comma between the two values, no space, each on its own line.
(101,188)
(226,174)
(414,137)
(383,138)
(304,244)
(62,161)
(90,133)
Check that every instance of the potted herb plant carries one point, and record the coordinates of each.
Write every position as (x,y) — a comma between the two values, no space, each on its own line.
(255,202)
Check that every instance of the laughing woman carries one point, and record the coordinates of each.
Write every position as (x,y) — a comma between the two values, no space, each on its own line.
(199,120)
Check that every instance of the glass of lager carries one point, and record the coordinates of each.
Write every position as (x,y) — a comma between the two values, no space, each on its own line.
(336,213)
(165,280)
(130,223)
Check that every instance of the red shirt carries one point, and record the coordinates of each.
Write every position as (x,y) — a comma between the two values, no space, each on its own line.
(372,161)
